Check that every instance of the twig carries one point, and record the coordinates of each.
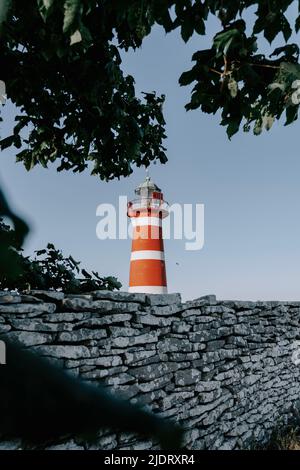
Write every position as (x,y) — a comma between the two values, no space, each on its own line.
(265,65)
(216,71)
(260,65)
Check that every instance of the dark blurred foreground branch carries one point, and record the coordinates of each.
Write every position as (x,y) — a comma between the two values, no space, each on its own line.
(10,240)
(40,403)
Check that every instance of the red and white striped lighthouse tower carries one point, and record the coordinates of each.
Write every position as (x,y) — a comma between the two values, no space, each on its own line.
(147,264)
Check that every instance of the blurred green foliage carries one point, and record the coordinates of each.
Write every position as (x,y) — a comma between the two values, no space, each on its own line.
(48,270)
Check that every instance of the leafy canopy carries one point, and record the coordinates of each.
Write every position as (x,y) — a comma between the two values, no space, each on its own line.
(61,64)
(63,72)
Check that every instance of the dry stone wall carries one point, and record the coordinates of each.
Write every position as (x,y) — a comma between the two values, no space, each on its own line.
(226,370)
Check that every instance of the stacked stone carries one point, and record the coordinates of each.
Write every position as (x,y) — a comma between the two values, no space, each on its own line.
(223,369)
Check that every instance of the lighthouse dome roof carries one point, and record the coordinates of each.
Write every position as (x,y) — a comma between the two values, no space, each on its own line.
(149,185)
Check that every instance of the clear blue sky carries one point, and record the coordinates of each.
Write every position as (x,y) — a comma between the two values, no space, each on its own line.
(249,186)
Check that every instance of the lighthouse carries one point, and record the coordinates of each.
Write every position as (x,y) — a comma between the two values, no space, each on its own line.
(147,263)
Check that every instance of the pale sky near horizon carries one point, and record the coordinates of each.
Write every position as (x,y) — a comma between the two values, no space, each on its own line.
(249,187)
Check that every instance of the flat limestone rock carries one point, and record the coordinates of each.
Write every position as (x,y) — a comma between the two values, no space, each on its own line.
(9,298)
(81,335)
(4,328)
(64,352)
(48,294)
(163,299)
(30,299)
(70,445)
(104,320)
(65,317)
(187,377)
(137,356)
(29,338)
(28,308)
(152,320)
(167,310)
(205,300)
(11,445)
(82,305)
(79,296)
(153,371)
(118,296)
(28,324)
(106,361)
(126,341)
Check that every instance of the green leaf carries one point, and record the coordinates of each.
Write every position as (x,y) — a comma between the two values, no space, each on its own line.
(289,72)
(290,50)
(40,252)
(75,38)
(71,10)
(286,29)
(187,77)
(222,41)
(233,87)
(187,30)
(7,142)
(268,121)
(45,8)
(233,127)
(199,26)
(47,4)
(291,114)
(227,45)
(257,130)
(274,24)
(5,5)
(86,274)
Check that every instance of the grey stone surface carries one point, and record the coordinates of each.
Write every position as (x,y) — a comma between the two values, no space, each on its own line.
(118,296)
(167,310)
(79,296)
(29,338)
(78,304)
(201,301)
(69,445)
(27,308)
(127,341)
(175,345)
(66,317)
(30,299)
(105,361)
(223,369)
(187,377)
(92,320)
(11,445)
(152,371)
(163,299)
(9,297)
(64,352)
(137,356)
(81,335)
(153,320)
(48,295)
(32,325)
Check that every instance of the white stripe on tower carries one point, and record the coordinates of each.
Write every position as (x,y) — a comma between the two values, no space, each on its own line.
(147,254)
(143,221)
(149,289)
